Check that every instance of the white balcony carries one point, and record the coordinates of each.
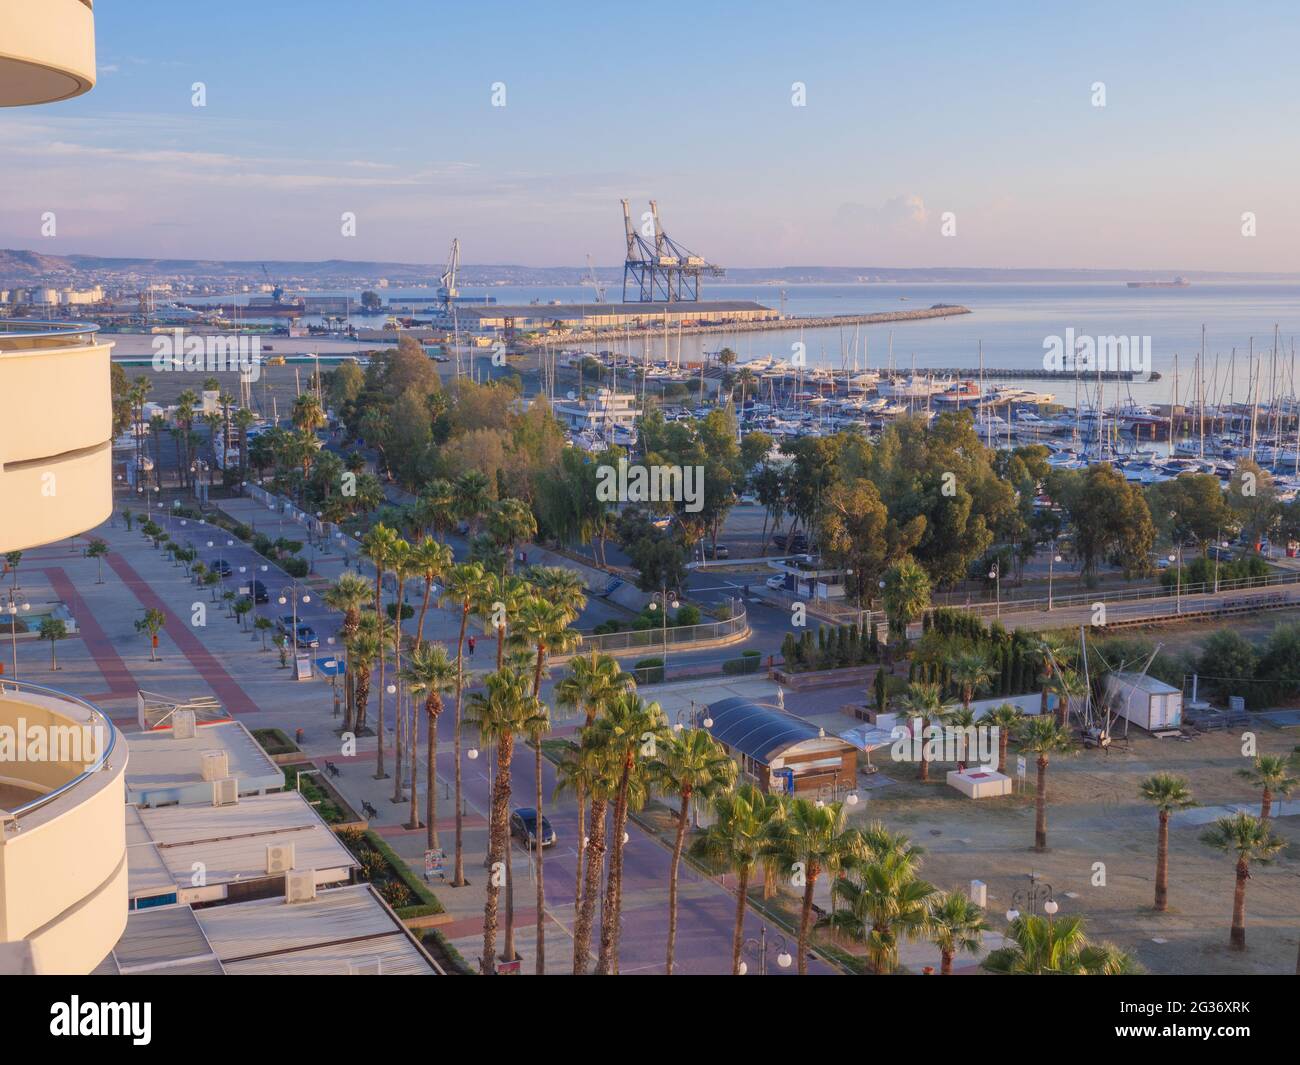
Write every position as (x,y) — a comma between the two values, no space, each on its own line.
(56,432)
(47,50)
(63,868)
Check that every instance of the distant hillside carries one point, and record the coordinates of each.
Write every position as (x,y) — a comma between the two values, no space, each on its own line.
(27,267)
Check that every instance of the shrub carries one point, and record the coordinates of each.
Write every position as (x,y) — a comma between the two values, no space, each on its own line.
(649,671)
(687,615)
(296,567)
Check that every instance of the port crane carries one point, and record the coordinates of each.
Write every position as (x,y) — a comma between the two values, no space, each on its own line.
(277,291)
(448,291)
(595,282)
(658,269)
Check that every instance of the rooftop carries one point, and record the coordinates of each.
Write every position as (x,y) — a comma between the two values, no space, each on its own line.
(762,731)
(166,768)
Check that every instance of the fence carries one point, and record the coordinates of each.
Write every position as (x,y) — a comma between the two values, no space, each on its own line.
(657,639)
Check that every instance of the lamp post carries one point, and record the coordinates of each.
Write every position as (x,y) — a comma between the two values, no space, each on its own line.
(1052,559)
(662,600)
(757,949)
(290,594)
(1031,896)
(14,606)
(334,661)
(995,575)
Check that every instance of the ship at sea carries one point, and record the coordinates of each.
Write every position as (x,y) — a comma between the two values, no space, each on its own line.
(1178,282)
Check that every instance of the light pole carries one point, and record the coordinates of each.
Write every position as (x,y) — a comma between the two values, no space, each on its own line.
(1031,897)
(995,575)
(286,595)
(757,949)
(662,600)
(14,607)
(1052,559)
(1178,580)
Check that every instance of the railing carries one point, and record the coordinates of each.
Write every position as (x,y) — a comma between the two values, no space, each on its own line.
(26,687)
(652,639)
(20,334)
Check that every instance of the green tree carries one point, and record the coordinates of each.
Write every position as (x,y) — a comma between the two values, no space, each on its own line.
(347,595)
(152,624)
(1167,793)
(97,550)
(1059,947)
(955,925)
(54,630)
(1250,840)
(1272,774)
(1044,737)
(429,672)
(1007,719)
(906,596)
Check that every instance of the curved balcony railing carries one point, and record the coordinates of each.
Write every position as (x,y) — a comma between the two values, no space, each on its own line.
(97,719)
(47,51)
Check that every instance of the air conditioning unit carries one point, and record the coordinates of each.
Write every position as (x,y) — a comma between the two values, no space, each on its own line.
(279,857)
(300,886)
(225,792)
(215,765)
(366,967)
(183,726)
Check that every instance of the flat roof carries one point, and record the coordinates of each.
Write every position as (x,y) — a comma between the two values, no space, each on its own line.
(168,941)
(159,761)
(1145,682)
(164,842)
(762,731)
(340,926)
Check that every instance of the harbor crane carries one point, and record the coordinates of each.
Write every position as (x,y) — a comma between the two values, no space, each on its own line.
(595,282)
(657,268)
(277,291)
(448,291)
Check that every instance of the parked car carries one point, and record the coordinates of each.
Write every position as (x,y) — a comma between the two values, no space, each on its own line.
(523,824)
(221,566)
(306,634)
(721,551)
(260,594)
(776,583)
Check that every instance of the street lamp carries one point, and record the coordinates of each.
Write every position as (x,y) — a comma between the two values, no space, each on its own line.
(995,575)
(290,594)
(662,600)
(1031,896)
(14,607)
(757,949)
(1052,559)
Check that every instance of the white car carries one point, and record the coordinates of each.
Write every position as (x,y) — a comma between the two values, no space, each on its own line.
(776,583)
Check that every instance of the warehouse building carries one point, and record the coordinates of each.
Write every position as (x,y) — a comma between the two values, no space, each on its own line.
(612,315)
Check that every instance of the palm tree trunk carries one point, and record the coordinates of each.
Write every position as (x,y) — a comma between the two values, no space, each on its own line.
(1002,750)
(424,609)
(924,771)
(587,911)
(431,775)
(738,933)
(678,841)
(413,745)
(1040,801)
(582,849)
(458,874)
(540,848)
(1266,805)
(1237,939)
(496,850)
(805,922)
(379,607)
(399,719)
(1162,863)
(607,963)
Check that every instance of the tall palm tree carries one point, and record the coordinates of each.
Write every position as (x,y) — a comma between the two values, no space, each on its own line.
(1044,737)
(970,673)
(589,767)
(504,710)
(1007,719)
(402,565)
(1270,773)
(378,546)
(436,508)
(906,596)
(307,414)
(960,718)
(465,583)
(498,602)
(431,560)
(510,523)
(1251,840)
(1039,946)
(431,673)
(473,495)
(347,594)
(925,702)
(811,839)
(1166,793)
(693,766)
(742,826)
(593,680)
(882,900)
(956,925)
(631,728)
(1068,686)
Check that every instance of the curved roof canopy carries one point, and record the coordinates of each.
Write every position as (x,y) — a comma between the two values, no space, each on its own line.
(758,731)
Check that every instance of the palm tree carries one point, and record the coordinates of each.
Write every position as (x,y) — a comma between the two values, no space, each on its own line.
(1039,946)
(588,768)
(593,680)
(693,766)
(152,623)
(741,829)
(923,701)
(1068,686)
(363,649)
(307,414)
(970,673)
(1251,840)
(429,672)
(436,508)
(906,596)
(810,839)
(631,728)
(1270,773)
(510,523)
(465,586)
(97,550)
(347,595)
(378,546)
(1007,719)
(962,720)
(956,925)
(473,495)
(1044,737)
(882,900)
(1166,793)
(54,630)
(506,709)
(431,560)
(500,598)
(401,562)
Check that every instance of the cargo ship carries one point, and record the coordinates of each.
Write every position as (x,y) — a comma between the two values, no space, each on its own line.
(1178,282)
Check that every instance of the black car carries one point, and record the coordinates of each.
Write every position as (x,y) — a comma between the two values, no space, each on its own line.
(523,824)
(219,565)
(259,592)
(306,634)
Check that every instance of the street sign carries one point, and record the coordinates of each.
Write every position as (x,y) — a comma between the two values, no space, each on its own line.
(1020,767)
(304,667)
(508,968)
(332,667)
(434,863)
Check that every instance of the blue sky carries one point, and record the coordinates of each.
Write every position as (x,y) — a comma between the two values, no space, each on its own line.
(385,110)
